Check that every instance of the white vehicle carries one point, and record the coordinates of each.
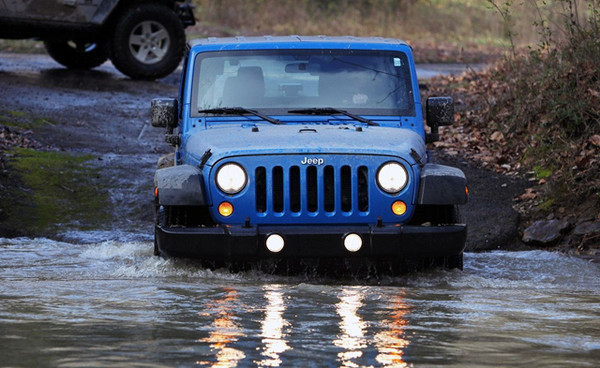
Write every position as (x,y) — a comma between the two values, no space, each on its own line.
(143,39)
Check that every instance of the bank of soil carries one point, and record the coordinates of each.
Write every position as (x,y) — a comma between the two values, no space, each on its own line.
(560,202)
(93,129)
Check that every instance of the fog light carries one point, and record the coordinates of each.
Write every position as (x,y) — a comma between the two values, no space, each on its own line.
(275,243)
(353,242)
(225,209)
(399,208)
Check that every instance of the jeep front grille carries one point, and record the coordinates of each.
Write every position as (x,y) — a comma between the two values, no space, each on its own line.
(312,189)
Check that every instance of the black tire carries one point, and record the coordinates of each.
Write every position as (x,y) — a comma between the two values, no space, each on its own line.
(440,215)
(78,54)
(454,262)
(156,250)
(180,216)
(148,41)
(160,220)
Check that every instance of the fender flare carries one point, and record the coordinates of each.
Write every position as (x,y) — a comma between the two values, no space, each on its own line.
(442,185)
(181,185)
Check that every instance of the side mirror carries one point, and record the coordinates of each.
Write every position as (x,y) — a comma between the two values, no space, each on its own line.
(163,113)
(440,112)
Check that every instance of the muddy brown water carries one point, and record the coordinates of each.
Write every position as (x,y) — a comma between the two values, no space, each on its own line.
(99,298)
(115,304)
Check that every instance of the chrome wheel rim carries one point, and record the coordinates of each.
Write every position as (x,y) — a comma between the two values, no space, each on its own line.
(149,42)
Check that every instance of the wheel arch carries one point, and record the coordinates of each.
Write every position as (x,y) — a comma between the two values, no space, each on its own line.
(442,185)
(180,186)
(122,6)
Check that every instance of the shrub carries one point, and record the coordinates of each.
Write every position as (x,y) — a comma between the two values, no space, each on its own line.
(540,109)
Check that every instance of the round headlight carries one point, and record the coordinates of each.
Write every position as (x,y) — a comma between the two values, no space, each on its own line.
(392,177)
(231,178)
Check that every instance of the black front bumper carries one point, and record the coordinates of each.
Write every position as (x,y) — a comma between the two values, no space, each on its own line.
(248,243)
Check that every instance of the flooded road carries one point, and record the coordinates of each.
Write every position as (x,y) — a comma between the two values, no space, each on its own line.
(115,304)
(99,298)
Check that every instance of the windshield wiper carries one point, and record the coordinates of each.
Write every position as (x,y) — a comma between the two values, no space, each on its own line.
(238,111)
(331,110)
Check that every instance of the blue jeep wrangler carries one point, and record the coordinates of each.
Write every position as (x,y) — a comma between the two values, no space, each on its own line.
(293,148)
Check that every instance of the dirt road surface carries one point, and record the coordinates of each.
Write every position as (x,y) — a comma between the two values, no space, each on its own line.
(104,115)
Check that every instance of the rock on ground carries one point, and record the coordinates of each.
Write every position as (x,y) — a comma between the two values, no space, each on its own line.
(545,232)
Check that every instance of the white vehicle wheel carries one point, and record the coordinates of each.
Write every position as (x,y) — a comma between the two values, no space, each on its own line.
(149,42)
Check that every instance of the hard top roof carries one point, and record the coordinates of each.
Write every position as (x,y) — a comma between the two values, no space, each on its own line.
(242,40)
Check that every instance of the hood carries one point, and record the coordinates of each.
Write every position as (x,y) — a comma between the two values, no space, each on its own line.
(227,140)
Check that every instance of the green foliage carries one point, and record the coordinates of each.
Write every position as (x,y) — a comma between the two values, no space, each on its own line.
(560,78)
(507,20)
(541,172)
(550,97)
(547,204)
(538,110)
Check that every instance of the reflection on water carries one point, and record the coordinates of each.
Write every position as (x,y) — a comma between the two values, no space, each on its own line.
(391,343)
(115,304)
(272,328)
(388,344)
(225,332)
(352,327)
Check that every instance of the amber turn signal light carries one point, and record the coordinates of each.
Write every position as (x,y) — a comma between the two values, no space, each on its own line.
(399,208)
(225,209)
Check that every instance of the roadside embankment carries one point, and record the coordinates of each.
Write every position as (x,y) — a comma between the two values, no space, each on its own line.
(536,117)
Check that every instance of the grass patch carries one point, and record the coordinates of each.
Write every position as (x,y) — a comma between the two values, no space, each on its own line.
(547,204)
(29,46)
(20,119)
(55,191)
(16,114)
(541,172)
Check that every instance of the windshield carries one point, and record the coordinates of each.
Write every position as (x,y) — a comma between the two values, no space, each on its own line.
(277,81)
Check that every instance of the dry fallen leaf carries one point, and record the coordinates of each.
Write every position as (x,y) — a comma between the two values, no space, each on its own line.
(497,136)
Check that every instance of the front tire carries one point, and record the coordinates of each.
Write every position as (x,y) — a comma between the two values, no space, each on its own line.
(454,262)
(180,216)
(159,221)
(78,54)
(148,42)
(436,215)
